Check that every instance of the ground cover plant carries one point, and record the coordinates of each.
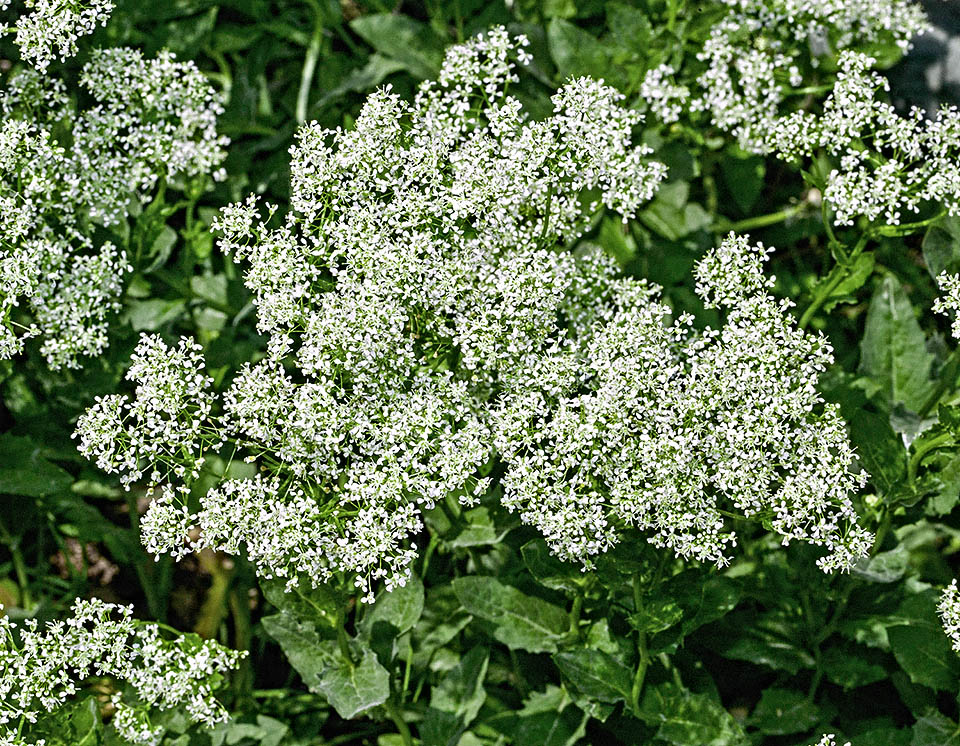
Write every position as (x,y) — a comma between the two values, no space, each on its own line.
(476,373)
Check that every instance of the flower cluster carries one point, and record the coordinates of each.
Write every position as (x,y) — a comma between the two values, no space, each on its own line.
(426,315)
(416,272)
(888,163)
(829,739)
(949,302)
(163,426)
(759,53)
(52,27)
(949,609)
(657,426)
(41,670)
(63,172)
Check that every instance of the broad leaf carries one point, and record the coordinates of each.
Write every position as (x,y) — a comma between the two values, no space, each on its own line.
(400,608)
(893,351)
(920,645)
(353,688)
(25,471)
(684,718)
(520,621)
(404,39)
(783,711)
(596,674)
(455,702)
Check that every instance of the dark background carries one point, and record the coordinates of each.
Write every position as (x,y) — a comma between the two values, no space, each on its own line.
(930,75)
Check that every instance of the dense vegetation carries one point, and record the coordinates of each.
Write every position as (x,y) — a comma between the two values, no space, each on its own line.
(465,372)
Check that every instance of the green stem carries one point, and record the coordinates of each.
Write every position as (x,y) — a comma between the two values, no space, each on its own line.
(342,639)
(761,221)
(575,615)
(643,655)
(931,445)
(948,377)
(397,718)
(905,229)
(309,68)
(823,292)
(19,567)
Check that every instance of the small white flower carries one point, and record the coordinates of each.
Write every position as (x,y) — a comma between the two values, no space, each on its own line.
(52,27)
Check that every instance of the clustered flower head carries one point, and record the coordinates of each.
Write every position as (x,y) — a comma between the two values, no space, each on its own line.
(949,608)
(888,163)
(42,669)
(654,425)
(417,271)
(761,51)
(427,316)
(949,302)
(829,739)
(64,172)
(52,27)
(162,425)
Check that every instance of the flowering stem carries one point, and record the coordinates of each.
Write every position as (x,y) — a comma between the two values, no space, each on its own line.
(761,221)
(309,67)
(840,272)
(643,655)
(397,718)
(944,439)
(342,635)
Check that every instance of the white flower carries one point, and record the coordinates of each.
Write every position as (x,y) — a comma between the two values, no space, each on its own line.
(949,609)
(888,164)
(162,431)
(41,671)
(668,430)
(154,122)
(665,99)
(949,302)
(829,739)
(52,27)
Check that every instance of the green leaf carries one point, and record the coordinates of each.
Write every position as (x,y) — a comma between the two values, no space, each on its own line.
(576,52)
(150,315)
(317,605)
(885,567)
(630,27)
(941,246)
(25,471)
(549,571)
(400,608)
(744,176)
(455,702)
(783,711)
(767,639)
(547,718)
(480,529)
(935,729)
(354,688)
(850,666)
(879,449)
(520,621)
(854,278)
(671,216)
(368,77)
(893,351)
(301,644)
(596,674)
(684,718)
(920,645)
(406,40)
